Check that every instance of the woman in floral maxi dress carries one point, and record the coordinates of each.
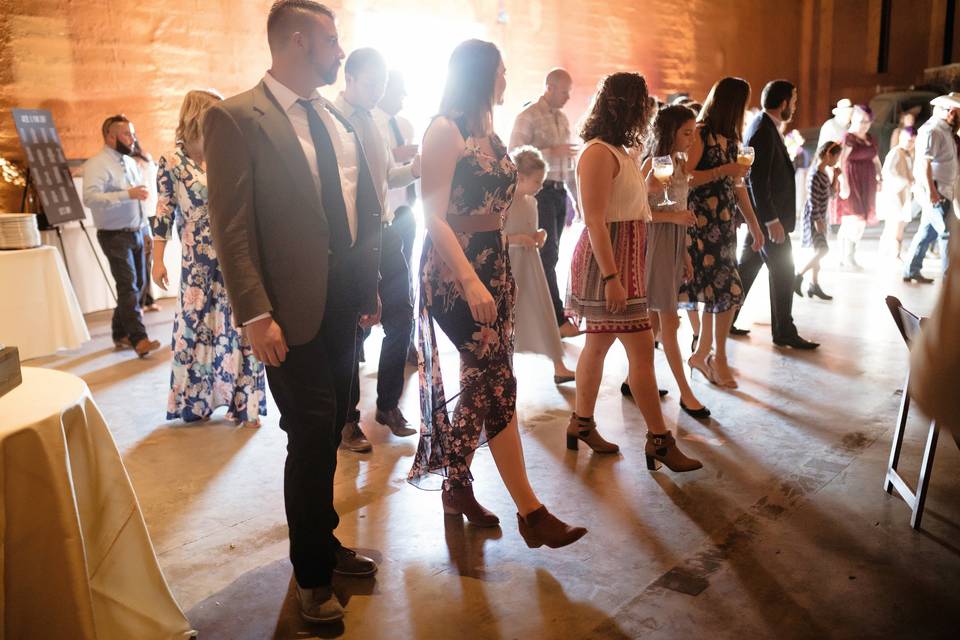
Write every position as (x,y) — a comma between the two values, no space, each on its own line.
(212,365)
(467,289)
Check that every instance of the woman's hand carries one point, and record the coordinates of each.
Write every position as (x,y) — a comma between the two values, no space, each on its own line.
(685,218)
(160,274)
(734,170)
(687,268)
(540,238)
(615,295)
(482,307)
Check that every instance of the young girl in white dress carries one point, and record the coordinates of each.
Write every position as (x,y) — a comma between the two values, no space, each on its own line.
(535,326)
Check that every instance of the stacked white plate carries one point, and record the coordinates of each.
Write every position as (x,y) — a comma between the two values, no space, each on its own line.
(19,231)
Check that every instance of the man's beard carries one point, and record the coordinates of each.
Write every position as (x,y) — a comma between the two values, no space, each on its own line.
(124,149)
(786,115)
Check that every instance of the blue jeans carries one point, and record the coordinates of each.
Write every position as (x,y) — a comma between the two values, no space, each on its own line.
(124,252)
(934,225)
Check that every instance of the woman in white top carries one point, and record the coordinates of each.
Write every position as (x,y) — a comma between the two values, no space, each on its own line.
(606,287)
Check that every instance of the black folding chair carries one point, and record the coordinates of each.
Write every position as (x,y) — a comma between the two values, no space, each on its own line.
(909,325)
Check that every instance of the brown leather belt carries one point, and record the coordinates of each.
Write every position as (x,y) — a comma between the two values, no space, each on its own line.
(475,224)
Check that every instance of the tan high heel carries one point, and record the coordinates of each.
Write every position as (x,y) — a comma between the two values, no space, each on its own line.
(704,370)
(586,429)
(728,383)
(662,447)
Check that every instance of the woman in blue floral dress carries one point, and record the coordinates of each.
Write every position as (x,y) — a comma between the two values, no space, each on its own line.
(212,365)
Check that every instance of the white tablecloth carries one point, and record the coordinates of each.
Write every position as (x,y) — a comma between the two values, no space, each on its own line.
(76,560)
(40,312)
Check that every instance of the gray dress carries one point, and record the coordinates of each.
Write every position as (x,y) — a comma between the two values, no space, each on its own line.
(535,324)
(666,248)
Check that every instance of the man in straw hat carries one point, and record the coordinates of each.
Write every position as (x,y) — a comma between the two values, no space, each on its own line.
(935,173)
(836,128)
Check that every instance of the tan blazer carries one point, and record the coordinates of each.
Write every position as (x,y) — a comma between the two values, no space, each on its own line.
(268,224)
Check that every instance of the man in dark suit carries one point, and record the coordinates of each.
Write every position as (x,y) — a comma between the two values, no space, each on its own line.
(773,196)
(296,225)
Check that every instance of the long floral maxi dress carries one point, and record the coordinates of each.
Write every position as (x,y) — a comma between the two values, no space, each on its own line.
(482,185)
(713,241)
(212,365)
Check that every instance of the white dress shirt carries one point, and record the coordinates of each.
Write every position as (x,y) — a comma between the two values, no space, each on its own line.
(344,144)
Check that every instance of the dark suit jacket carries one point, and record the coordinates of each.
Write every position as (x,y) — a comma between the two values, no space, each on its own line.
(269,227)
(772,186)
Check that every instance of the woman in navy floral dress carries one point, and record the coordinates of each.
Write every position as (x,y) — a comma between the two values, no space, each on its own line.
(466,287)
(212,365)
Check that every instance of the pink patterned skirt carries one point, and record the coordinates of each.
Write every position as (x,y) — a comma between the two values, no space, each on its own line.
(585,289)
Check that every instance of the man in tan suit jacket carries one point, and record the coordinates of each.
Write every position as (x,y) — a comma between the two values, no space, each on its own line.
(296,225)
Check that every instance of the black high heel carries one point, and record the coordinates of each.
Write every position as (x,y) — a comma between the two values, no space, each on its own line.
(625,390)
(694,343)
(815,290)
(700,414)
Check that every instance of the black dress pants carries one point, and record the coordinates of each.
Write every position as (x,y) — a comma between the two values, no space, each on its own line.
(312,389)
(396,318)
(779,261)
(552,216)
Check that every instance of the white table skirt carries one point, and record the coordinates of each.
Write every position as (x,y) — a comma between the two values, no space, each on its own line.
(40,310)
(76,560)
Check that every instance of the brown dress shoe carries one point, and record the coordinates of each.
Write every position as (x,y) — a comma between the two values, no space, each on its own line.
(662,447)
(394,419)
(460,501)
(586,429)
(145,346)
(542,528)
(350,563)
(352,439)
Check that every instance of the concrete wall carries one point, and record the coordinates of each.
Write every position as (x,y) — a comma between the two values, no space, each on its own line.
(87,59)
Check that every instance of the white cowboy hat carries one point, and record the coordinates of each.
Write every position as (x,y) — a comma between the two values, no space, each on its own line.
(843,105)
(949,101)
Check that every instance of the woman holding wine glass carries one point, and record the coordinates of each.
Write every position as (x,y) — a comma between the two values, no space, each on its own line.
(607,285)
(717,193)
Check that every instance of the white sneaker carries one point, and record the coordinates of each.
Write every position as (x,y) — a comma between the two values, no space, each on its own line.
(319,604)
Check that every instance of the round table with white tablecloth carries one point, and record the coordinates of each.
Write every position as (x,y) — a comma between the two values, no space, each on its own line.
(76,560)
(40,310)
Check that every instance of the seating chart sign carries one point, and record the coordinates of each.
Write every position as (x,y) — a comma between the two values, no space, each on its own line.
(49,174)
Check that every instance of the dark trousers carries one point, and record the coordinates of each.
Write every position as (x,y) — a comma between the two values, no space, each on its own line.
(406,226)
(146,297)
(779,261)
(396,317)
(311,388)
(552,214)
(124,252)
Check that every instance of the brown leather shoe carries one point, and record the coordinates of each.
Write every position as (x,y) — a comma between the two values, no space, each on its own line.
(394,419)
(145,346)
(353,439)
(122,343)
(662,447)
(350,563)
(542,528)
(586,429)
(461,502)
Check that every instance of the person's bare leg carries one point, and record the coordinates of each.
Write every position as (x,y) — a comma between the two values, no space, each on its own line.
(705,346)
(693,315)
(590,372)
(669,324)
(643,378)
(560,368)
(722,323)
(507,453)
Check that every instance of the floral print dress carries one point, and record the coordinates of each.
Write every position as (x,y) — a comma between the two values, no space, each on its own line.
(212,365)
(483,185)
(713,241)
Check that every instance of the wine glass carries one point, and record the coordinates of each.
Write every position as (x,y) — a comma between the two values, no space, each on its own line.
(745,157)
(663,171)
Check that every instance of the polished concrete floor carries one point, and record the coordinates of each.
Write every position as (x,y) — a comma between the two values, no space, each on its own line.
(786,531)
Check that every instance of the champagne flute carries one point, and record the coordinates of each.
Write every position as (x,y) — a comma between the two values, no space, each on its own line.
(663,171)
(745,157)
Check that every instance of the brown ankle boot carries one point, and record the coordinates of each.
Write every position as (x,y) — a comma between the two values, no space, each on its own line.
(586,429)
(460,501)
(663,447)
(542,528)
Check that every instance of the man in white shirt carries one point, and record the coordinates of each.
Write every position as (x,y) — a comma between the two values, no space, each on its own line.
(835,129)
(366,79)
(113,189)
(295,220)
(542,124)
(935,173)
